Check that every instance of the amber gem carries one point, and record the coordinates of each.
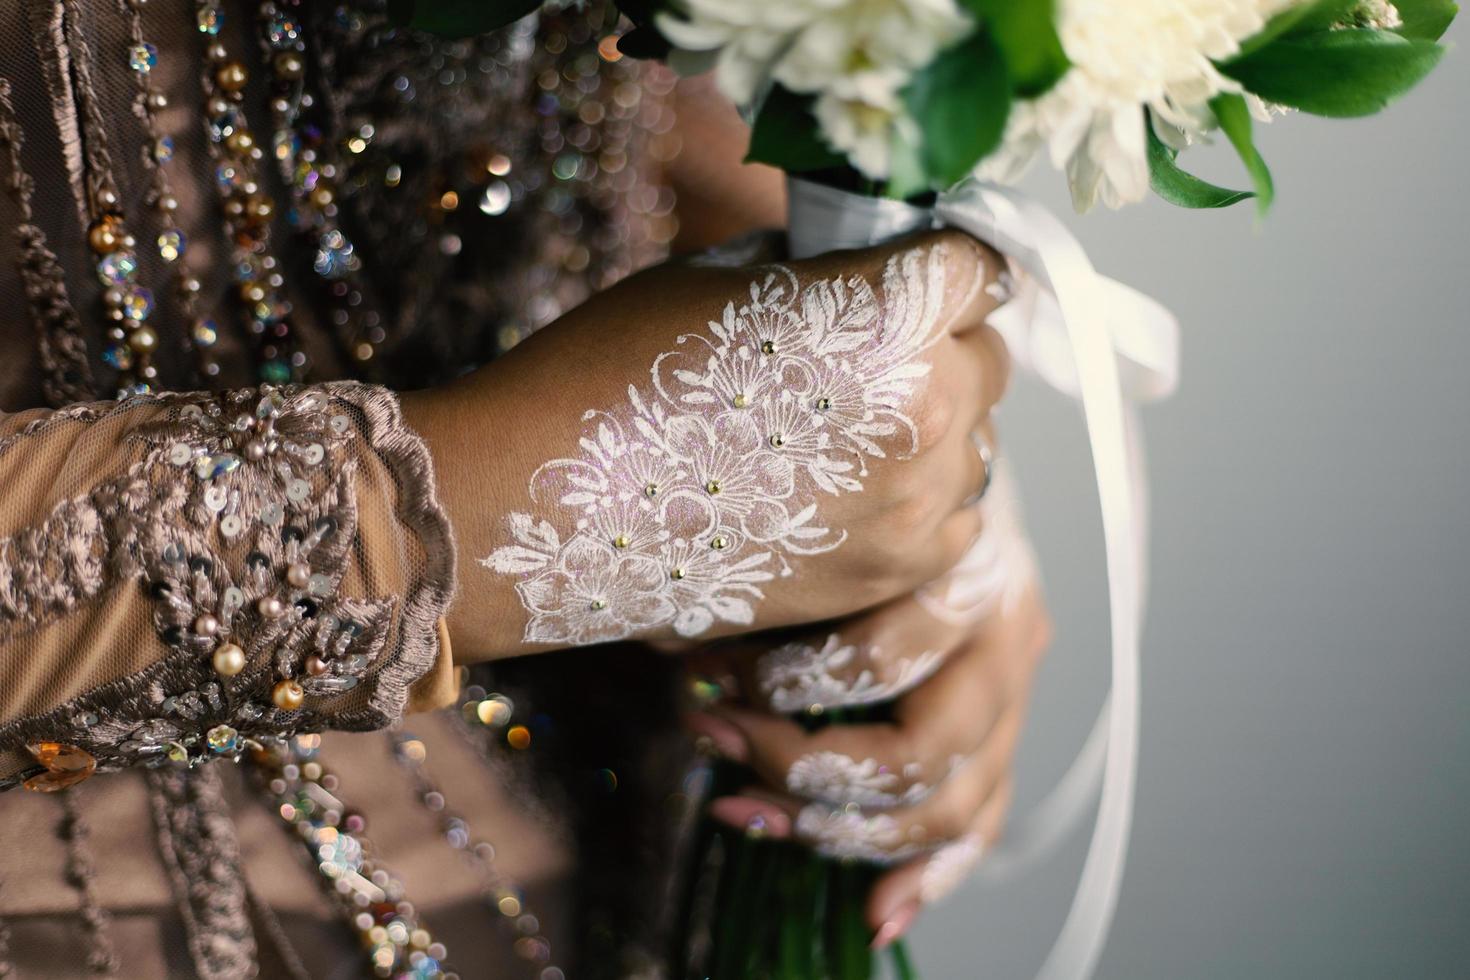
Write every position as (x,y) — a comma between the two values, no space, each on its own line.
(66,765)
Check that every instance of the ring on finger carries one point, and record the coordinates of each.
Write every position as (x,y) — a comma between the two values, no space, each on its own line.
(987,463)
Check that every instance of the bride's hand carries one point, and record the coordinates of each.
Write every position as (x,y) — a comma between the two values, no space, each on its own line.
(704,451)
(927,790)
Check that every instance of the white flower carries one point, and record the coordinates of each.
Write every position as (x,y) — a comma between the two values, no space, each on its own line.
(1127,57)
(855,56)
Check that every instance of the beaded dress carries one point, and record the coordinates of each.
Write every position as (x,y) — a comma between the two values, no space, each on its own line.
(229,232)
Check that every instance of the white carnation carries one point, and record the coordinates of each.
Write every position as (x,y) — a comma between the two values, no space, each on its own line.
(1127,57)
(856,56)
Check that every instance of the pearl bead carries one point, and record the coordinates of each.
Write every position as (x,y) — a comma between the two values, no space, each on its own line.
(298,574)
(259,208)
(719,542)
(651,490)
(599,604)
(741,401)
(621,541)
(315,665)
(289,65)
(768,347)
(241,141)
(270,607)
(713,486)
(229,660)
(777,441)
(287,695)
(823,404)
(143,340)
(255,450)
(206,625)
(103,236)
(231,76)
(676,574)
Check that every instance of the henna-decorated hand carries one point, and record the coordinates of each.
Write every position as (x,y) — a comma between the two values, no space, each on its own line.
(704,451)
(926,790)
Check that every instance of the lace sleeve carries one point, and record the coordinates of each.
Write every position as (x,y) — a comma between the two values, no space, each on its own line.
(184,575)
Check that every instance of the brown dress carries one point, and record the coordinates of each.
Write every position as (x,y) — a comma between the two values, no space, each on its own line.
(284,212)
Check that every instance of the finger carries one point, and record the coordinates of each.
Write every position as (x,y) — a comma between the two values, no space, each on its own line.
(888,836)
(887,764)
(876,656)
(996,573)
(899,895)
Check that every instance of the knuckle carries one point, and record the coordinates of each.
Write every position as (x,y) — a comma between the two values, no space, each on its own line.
(932,413)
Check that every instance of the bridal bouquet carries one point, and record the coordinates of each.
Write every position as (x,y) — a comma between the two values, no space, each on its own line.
(906,100)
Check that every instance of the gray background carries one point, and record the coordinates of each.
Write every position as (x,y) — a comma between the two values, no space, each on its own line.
(1305,769)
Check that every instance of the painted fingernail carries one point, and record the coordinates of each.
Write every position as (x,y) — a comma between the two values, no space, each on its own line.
(725,737)
(895,925)
(752,816)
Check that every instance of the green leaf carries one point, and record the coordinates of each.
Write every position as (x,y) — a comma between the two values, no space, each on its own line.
(1235,121)
(960,102)
(458,18)
(1183,189)
(1336,73)
(785,135)
(1425,20)
(1303,18)
(1025,33)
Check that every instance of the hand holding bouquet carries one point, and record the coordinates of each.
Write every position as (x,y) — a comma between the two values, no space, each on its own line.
(882,102)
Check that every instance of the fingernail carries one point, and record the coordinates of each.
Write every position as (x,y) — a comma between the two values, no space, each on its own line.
(752,816)
(727,739)
(895,925)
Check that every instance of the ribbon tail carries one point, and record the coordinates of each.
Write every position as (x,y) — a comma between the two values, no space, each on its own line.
(1087,308)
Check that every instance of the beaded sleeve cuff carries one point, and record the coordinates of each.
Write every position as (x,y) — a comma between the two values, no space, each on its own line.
(288,550)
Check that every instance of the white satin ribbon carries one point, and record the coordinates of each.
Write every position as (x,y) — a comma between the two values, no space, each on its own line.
(1104,343)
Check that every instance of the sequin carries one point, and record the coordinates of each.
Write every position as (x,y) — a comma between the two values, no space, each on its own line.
(213,465)
(142,57)
(282,31)
(298,490)
(231,526)
(319,585)
(223,123)
(314,454)
(223,739)
(138,303)
(205,332)
(163,149)
(118,356)
(496,198)
(210,20)
(180,453)
(275,371)
(117,269)
(171,245)
(341,855)
(334,258)
(216,498)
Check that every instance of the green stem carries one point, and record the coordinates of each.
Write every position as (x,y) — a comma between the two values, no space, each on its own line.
(902,968)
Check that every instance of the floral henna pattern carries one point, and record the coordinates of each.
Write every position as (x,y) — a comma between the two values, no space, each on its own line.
(682,504)
(800,676)
(849,834)
(832,777)
(948,867)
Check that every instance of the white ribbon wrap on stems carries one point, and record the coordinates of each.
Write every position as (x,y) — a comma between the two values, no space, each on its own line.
(1105,344)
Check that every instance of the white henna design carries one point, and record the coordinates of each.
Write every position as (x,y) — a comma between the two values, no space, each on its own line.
(832,777)
(799,676)
(683,503)
(997,570)
(850,834)
(948,867)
